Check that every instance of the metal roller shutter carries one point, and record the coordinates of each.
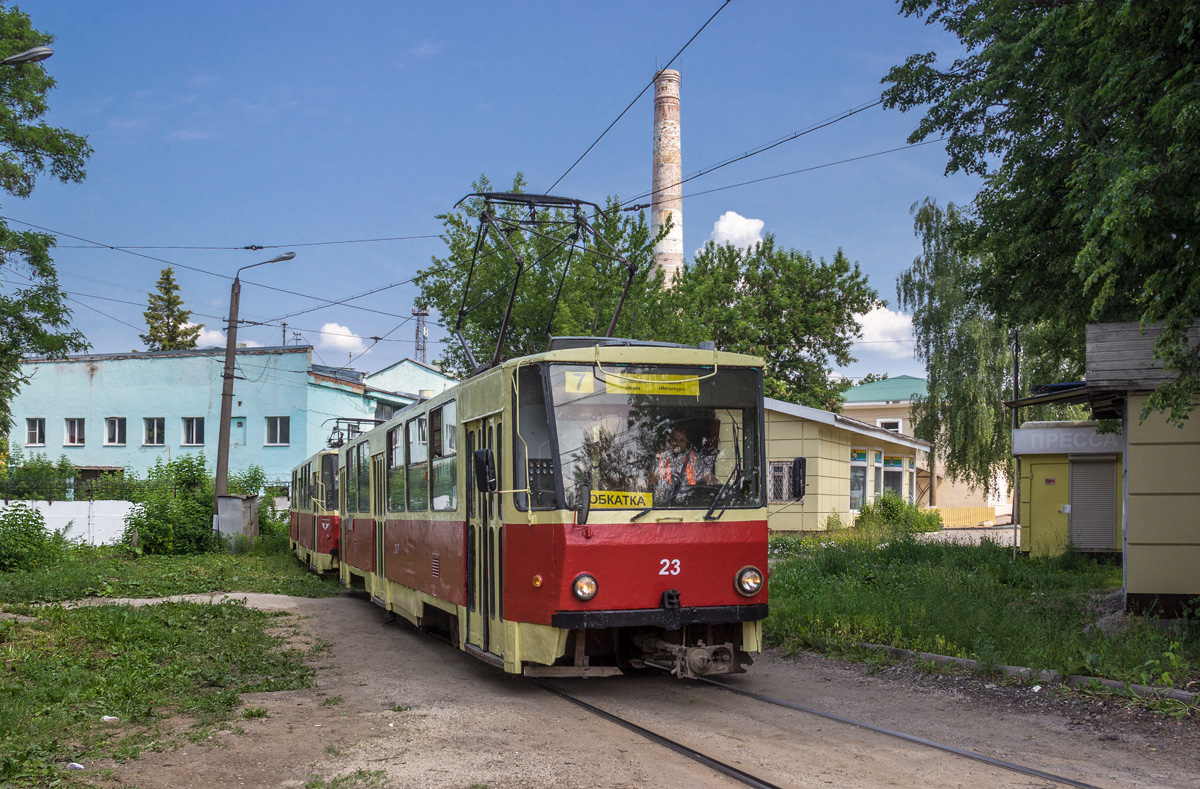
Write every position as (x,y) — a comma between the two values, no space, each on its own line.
(1093,497)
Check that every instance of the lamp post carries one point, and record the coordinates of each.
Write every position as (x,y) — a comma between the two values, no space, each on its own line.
(235,293)
(35,55)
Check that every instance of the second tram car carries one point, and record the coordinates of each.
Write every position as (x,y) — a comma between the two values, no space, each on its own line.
(576,512)
(313,520)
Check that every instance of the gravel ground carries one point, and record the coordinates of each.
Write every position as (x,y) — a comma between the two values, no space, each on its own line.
(396,708)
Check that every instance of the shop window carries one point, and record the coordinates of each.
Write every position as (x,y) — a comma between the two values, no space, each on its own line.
(858,479)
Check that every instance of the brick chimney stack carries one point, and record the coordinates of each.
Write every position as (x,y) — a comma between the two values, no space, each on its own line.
(667,200)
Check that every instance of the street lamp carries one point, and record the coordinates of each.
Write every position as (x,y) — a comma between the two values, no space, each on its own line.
(35,55)
(235,293)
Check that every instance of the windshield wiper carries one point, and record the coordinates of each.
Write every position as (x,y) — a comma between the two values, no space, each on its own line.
(735,474)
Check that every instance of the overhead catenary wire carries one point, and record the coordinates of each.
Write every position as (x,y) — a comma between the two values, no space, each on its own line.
(260,246)
(635,98)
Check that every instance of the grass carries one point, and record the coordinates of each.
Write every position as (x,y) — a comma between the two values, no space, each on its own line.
(109,572)
(835,590)
(67,668)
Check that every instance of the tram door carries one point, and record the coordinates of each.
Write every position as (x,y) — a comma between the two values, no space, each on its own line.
(484,560)
(378,514)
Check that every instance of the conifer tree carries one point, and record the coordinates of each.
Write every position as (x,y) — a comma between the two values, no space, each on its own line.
(166,319)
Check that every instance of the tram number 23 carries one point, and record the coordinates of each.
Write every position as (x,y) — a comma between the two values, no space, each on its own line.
(668,567)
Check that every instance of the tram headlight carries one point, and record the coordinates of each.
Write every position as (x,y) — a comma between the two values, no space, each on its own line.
(585,587)
(748,581)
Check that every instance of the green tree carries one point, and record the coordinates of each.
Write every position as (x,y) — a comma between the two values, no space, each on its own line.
(34,319)
(168,324)
(1082,119)
(965,351)
(796,312)
(589,295)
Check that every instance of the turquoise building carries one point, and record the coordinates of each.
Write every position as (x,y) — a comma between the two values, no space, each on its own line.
(114,412)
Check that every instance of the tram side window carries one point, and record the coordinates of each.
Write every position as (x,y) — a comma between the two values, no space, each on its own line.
(351,480)
(395,473)
(364,477)
(443,424)
(307,499)
(295,501)
(417,453)
(329,480)
(531,444)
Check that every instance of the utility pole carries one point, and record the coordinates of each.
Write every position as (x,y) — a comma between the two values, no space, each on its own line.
(285,334)
(1016,505)
(235,294)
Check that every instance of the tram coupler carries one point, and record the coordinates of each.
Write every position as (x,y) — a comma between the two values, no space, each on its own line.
(699,660)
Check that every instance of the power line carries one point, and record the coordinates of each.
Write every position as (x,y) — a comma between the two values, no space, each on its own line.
(814,167)
(756,151)
(193,268)
(635,99)
(261,246)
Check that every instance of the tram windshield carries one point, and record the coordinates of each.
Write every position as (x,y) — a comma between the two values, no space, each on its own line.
(639,437)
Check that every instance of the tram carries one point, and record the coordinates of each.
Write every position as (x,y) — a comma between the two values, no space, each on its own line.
(314,522)
(577,512)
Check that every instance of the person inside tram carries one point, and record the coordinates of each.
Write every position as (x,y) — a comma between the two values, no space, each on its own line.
(678,469)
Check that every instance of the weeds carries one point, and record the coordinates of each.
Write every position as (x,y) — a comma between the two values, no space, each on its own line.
(881,585)
(104,571)
(66,668)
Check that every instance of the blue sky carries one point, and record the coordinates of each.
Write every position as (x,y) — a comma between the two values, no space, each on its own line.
(225,124)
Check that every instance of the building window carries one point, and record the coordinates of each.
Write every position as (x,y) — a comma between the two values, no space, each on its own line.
(193,430)
(878,474)
(893,476)
(155,431)
(74,433)
(858,479)
(912,480)
(279,430)
(894,425)
(114,431)
(781,483)
(35,432)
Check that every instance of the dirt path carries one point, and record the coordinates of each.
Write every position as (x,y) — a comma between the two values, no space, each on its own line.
(409,711)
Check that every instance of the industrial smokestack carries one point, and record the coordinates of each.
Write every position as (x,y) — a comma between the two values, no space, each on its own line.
(667,200)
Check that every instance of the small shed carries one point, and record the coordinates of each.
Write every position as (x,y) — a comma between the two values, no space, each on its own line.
(1071,487)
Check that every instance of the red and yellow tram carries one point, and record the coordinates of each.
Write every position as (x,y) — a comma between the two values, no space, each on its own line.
(313,520)
(576,512)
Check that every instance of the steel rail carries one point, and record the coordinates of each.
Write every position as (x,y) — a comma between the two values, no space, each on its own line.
(900,735)
(725,769)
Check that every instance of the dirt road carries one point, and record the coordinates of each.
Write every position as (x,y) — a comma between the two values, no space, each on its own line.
(409,711)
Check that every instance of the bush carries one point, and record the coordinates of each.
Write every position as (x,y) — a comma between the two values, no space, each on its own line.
(174,509)
(889,511)
(25,542)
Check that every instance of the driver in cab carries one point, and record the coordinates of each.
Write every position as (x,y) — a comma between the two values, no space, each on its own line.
(678,469)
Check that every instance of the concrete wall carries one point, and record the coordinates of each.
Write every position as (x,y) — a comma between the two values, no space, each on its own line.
(94,522)
(1162,555)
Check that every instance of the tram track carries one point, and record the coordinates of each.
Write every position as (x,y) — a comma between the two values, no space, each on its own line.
(749,779)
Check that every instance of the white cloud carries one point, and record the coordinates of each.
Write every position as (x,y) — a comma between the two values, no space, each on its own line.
(427,48)
(202,79)
(189,134)
(885,333)
(733,228)
(210,338)
(335,337)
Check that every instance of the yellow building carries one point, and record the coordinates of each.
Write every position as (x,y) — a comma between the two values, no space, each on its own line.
(887,403)
(1070,487)
(847,462)
(1158,506)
